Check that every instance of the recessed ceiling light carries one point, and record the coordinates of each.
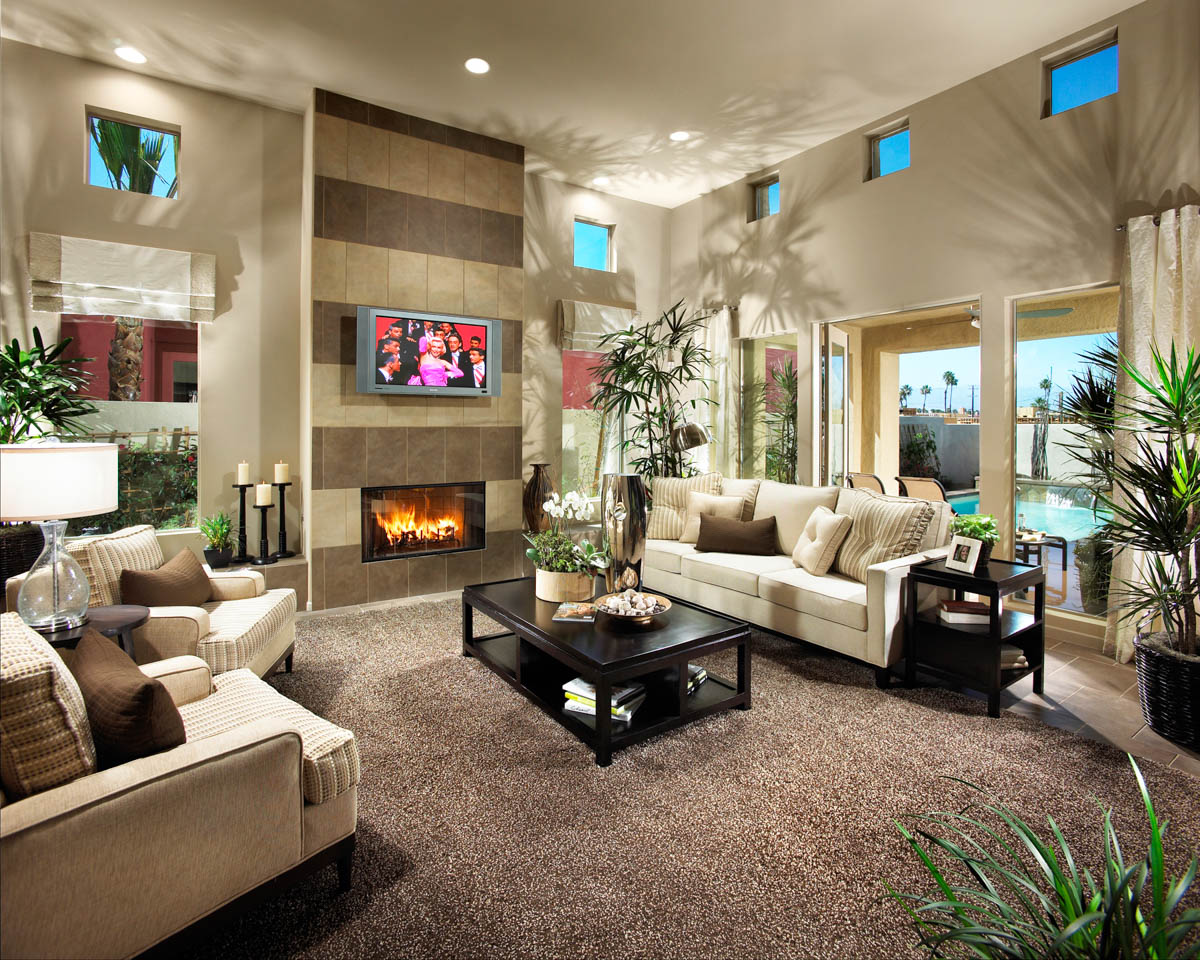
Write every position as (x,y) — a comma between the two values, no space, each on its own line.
(600,181)
(477,65)
(130,54)
(680,135)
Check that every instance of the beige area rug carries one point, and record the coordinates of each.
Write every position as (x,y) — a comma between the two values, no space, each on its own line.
(486,830)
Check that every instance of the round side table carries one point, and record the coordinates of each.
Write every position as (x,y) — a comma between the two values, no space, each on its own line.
(116,621)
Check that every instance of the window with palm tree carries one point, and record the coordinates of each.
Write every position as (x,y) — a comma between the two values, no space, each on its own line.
(126,156)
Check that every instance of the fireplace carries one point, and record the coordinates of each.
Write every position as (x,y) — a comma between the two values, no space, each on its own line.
(415,521)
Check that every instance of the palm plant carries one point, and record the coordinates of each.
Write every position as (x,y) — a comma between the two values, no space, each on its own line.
(905,393)
(925,392)
(782,414)
(131,159)
(39,391)
(643,379)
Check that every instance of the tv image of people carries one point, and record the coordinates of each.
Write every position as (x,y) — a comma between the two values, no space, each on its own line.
(420,352)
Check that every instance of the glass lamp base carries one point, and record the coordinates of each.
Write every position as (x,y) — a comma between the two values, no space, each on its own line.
(54,594)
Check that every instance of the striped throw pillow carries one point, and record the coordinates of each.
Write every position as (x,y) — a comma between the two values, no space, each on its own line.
(884,528)
(670,503)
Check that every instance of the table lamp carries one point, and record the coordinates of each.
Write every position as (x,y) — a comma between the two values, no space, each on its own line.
(49,482)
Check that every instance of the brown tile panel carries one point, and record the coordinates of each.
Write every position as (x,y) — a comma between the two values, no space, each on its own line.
(345,576)
(387,456)
(508,355)
(387,579)
(427,575)
(335,332)
(318,482)
(344,210)
(386,218)
(463,569)
(462,454)
(519,340)
(427,225)
(462,231)
(359,111)
(344,456)
(426,454)
(497,458)
(317,560)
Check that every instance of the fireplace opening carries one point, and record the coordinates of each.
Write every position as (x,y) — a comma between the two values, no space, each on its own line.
(412,521)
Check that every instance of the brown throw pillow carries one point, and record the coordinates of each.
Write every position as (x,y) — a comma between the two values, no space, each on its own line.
(180,582)
(131,714)
(722,535)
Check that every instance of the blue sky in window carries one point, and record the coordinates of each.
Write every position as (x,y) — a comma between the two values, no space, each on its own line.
(917,369)
(591,246)
(1084,80)
(893,153)
(98,174)
(773,198)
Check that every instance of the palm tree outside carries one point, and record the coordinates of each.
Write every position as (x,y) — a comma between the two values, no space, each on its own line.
(905,393)
(949,379)
(133,156)
(925,392)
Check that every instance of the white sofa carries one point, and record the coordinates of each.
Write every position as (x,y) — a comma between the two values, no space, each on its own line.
(861,620)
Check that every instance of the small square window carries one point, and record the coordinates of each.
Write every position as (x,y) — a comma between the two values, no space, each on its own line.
(1082,78)
(890,152)
(128,156)
(766,198)
(593,245)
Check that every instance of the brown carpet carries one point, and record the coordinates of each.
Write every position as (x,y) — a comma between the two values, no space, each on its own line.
(486,830)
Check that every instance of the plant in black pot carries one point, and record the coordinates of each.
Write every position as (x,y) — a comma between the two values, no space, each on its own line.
(219,534)
(977,526)
(1148,482)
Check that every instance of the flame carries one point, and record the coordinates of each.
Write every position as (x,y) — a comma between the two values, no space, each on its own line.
(401,524)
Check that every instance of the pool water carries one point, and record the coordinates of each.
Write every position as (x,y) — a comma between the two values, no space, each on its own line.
(1068,522)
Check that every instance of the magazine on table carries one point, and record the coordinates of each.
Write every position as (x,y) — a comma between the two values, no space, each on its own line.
(574,612)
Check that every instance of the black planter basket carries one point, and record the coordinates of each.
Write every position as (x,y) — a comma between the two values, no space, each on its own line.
(1169,691)
(20,545)
(981,563)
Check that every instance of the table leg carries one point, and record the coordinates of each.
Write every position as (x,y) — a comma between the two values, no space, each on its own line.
(468,628)
(743,676)
(994,704)
(1039,614)
(910,634)
(125,636)
(604,723)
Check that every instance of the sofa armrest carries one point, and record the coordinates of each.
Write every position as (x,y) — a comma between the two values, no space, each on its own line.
(885,608)
(236,584)
(129,853)
(186,678)
(170,632)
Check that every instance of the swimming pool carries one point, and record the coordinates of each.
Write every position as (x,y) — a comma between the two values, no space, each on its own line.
(1066,521)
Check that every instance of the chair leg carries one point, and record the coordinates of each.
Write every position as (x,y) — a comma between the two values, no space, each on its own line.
(287,664)
(881,678)
(345,864)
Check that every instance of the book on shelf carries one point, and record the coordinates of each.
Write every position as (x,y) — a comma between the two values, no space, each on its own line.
(573,612)
(966,611)
(585,692)
(696,676)
(623,713)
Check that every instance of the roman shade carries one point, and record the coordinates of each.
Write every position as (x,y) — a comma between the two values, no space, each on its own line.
(582,325)
(74,275)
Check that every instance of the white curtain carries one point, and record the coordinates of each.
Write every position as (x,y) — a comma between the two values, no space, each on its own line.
(1160,303)
(722,415)
(582,325)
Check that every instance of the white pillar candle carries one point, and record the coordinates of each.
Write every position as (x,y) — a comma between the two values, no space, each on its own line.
(263,495)
(243,473)
(281,472)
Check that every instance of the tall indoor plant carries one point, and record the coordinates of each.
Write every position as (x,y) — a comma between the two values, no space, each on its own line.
(1153,495)
(651,377)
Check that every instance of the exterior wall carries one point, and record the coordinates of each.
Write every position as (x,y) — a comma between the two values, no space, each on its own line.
(412,214)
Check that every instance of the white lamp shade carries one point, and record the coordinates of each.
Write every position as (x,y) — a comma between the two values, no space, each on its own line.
(57,481)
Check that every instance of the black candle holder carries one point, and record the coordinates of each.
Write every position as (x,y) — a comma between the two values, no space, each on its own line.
(241,556)
(264,547)
(283,550)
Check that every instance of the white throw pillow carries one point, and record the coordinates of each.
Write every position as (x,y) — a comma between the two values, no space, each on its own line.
(670,502)
(746,489)
(820,540)
(698,503)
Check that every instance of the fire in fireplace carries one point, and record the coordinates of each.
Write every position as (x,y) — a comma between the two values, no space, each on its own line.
(410,521)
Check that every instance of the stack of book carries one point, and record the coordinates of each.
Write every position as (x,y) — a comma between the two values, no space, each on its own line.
(696,676)
(581,698)
(964,611)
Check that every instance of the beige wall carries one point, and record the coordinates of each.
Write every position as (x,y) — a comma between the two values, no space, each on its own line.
(997,203)
(239,198)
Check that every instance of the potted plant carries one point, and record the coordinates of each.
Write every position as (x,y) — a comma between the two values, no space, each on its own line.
(977,526)
(565,569)
(1150,487)
(219,534)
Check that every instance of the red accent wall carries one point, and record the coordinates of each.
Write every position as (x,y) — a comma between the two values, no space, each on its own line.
(162,343)
(579,383)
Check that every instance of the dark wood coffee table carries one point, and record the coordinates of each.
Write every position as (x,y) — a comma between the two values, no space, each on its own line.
(539,655)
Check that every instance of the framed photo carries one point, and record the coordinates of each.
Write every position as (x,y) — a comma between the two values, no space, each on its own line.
(964,552)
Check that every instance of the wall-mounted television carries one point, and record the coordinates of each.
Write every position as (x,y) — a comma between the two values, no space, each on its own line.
(431,354)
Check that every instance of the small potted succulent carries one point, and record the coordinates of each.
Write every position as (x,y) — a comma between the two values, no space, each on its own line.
(977,526)
(565,568)
(218,532)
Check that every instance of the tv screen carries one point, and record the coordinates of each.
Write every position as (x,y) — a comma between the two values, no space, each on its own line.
(410,352)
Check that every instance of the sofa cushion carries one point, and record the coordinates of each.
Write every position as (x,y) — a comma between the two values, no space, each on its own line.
(130,714)
(720,535)
(330,764)
(45,740)
(837,599)
(884,528)
(791,505)
(670,503)
(239,629)
(666,554)
(702,503)
(736,571)
(938,533)
(746,489)
(134,548)
(819,543)
(180,582)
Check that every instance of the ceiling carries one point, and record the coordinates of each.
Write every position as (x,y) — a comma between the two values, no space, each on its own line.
(591,89)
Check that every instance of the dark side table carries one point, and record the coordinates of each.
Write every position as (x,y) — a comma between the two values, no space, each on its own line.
(969,654)
(116,621)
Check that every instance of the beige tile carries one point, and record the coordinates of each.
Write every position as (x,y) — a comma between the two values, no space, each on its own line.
(327,407)
(1148,736)
(1068,650)
(447,173)
(482,181)
(1109,679)
(408,280)
(445,284)
(362,409)
(480,288)
(444,411)
(407,411)
(480,411)
(329,270)
(1105,712)
(366,274)
(329,146)
(510,303)
(367,155)
(1186,764)
(510,400)
(511,188)
(329,518)
(504,505)
(408,164)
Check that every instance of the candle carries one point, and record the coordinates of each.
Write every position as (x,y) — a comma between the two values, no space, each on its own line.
(281,472)
(263,495)
(243,471)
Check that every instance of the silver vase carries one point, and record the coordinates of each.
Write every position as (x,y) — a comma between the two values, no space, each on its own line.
(623,512)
